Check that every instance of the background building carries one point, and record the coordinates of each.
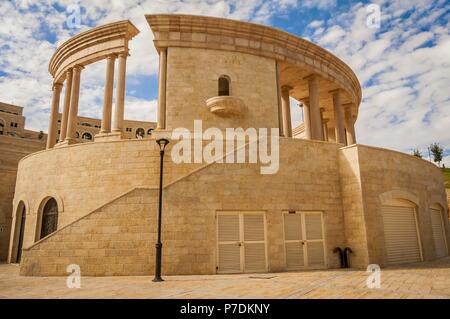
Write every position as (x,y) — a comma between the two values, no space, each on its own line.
(15,143)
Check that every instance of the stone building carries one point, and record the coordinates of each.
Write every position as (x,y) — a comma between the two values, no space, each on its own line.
(95,204)
(88,127)
(15,143)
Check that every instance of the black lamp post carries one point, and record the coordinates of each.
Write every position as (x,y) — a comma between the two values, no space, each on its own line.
(162,142)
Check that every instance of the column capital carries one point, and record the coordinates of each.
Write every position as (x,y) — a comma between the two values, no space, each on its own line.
(336,91)
(311,77)
(325,120)
(78,67)
(57,86)
(164,49)
(347,105)
(111,56)
(286,88)
(123,54)
(305,100)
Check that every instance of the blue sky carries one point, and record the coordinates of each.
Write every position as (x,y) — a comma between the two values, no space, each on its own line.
(404,66)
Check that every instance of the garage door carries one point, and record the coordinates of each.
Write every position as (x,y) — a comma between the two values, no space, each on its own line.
(241,242)
(438,233)
(401,233)
(304,243)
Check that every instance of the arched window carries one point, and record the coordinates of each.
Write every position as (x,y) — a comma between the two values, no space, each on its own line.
(224,86)
(2,127)
(86,136)
(140,133)
(20,231)
(49,218)
(150,132)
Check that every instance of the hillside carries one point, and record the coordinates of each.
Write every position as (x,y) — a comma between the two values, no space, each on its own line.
(446,172)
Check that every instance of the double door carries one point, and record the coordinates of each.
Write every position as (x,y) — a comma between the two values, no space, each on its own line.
(241,239)
(304,240)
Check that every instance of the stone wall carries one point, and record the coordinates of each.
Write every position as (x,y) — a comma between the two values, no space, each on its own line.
(12,149)
(84,177)
(192,78)
(189,224)
(346,184)
(8,181)
(390,174)
(116,239)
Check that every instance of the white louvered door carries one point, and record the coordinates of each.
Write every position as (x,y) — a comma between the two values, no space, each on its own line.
(314,239)
(401,234)
(229,243)
(241,242)
(437,225)
(304,240)
(293,237)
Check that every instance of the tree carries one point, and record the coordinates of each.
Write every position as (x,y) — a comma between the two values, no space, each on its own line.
(437,152)
(417,153)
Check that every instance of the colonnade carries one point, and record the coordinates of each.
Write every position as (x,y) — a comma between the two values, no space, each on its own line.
(69,119)
(315,125)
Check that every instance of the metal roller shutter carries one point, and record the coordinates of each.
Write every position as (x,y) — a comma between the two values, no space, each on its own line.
(438,233)
(401,234)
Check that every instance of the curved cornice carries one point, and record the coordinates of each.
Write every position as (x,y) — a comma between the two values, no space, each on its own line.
(91,46)
(231,35)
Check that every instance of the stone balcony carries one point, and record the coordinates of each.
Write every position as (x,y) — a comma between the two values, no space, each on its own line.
(226,106)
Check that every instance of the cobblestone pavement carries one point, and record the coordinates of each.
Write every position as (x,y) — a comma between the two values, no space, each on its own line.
(423,280)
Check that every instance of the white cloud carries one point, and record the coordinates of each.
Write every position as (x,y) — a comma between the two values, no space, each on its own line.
(25,52)
(406,100)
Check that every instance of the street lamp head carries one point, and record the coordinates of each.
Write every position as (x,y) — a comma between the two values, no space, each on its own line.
(162,142)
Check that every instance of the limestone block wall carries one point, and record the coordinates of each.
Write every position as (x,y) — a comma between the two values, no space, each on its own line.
(116,239)
(393,174)
(353,206)
(189,224)
(84,177)
(308,180)
(12,149)
(192,78)
(8,180)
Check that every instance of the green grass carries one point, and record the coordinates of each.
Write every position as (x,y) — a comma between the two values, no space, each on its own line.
(446,172)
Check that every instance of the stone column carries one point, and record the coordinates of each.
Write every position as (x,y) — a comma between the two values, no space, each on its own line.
(324,124)
(316,121)
(52,125)
(108,95)
(306,118)
(338,117)
(280,110)
(162,88)
(120,94)
(325,129)
(65,113)
(286,110)
(349,124)
(71,135)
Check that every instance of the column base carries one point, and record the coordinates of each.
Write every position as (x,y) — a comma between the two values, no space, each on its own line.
(113,136)
(66,142)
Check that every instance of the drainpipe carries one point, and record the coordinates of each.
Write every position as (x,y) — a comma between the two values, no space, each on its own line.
(341,256)
(347,251)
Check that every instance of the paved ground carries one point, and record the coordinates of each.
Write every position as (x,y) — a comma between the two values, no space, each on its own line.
(424,280)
